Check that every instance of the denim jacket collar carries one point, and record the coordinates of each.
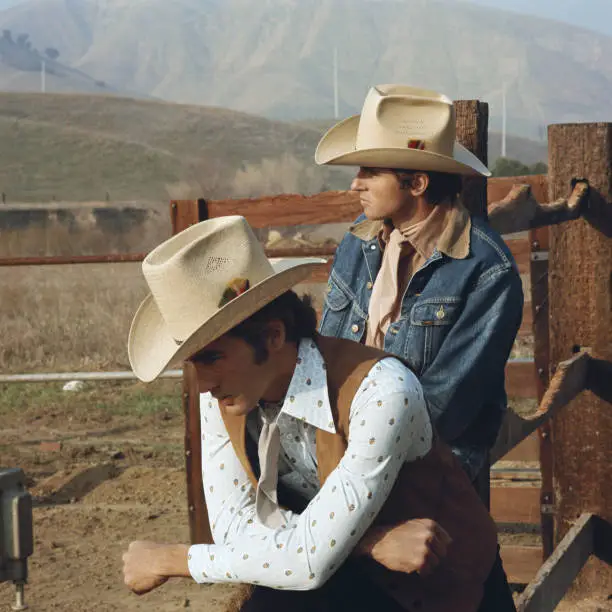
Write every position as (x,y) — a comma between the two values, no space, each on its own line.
(454,240)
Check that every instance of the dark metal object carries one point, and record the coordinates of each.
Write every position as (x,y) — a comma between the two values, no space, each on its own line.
(16,531)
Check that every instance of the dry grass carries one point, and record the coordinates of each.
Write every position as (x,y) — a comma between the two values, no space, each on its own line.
(72,317)
(68,317)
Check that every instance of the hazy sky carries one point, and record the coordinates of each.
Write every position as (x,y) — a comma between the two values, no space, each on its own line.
(593,14)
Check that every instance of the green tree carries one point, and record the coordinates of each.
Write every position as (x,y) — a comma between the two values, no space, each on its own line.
(52,53)
(505,166)
(539,168)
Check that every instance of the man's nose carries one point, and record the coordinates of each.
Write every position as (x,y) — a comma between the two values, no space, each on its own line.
(357,183)
(206,380)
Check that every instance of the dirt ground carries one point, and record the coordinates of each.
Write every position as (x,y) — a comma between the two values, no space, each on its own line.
(105,466)
(117,477)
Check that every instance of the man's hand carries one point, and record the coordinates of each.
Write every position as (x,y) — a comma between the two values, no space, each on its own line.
(418,546)
(147,565)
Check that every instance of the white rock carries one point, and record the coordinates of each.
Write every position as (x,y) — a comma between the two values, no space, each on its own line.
(74,385)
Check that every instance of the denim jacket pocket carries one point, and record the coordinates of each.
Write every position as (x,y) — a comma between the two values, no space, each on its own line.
(336,310)
(431,321)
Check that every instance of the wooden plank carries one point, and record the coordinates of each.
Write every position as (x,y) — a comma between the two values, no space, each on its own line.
(199,527)
(521,379)
(521,562)
(288,210)
(521,251)
(514,504)
(568,381)
(526,328)
(555,577)
(184,213)
(520,211)
(519,247)
(326,207)
(499,187)
(538,241)
(527,450)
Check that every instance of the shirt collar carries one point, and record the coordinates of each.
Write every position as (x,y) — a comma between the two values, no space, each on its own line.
(308,396)
(446,229)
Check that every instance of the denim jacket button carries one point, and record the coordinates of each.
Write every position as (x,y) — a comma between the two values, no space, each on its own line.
(355,328)
(372,247)
(370,285)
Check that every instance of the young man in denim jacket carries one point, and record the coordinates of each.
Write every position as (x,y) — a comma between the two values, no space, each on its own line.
(416,275)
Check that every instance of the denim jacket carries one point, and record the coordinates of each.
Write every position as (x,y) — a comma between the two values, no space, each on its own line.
(457,324)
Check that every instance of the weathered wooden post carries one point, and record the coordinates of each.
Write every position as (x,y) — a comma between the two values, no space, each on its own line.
(184,213)
(472,124)
(472,119)
(580,290)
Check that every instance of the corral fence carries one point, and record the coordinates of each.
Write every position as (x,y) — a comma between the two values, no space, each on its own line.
(549,468)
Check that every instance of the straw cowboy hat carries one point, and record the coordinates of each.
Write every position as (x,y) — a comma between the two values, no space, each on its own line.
(400,127)
(204,281)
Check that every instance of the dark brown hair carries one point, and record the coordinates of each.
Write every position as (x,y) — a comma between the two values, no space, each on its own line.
(297,315)
(442,186)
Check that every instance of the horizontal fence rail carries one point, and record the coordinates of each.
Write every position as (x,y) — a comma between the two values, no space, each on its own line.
(69,376)
(513,364)
(71,259)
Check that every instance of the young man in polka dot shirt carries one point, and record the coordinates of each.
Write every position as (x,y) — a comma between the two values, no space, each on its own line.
(308,513)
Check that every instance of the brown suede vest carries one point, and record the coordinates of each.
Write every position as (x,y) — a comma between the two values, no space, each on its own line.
(434,487)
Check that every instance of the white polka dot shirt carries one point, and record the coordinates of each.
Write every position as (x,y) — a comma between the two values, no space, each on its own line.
(388,425)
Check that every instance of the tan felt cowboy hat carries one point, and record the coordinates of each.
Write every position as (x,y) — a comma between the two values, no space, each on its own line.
(400,127)
(203,282)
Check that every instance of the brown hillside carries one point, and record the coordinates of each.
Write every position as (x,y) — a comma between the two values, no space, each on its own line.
(81,147)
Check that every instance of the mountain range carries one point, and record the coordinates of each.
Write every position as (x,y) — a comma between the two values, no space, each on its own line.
(275,57)
(592,14)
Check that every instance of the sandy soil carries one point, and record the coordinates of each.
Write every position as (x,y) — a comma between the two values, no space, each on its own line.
(131,486)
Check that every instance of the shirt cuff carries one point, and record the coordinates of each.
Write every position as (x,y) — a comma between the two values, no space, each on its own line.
(200,563)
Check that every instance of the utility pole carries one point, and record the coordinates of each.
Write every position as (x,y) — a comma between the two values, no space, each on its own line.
(43,76)
(336,102)
(504,121)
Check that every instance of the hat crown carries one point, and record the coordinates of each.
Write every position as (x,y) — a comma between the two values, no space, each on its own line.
(400,117)
(193,274)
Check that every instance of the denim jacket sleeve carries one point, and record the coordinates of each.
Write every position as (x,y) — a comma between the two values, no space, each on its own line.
(473,355)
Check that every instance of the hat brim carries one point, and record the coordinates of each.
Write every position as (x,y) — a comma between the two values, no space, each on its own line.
(338,148)
(151,347)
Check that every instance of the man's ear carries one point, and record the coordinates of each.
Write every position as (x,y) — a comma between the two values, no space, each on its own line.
(420,183)
(276,335)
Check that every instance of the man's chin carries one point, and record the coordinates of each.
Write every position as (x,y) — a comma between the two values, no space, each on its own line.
(234,406)
(371,215)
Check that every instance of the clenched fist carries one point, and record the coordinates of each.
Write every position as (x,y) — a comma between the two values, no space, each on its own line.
(418,546)
(147,565)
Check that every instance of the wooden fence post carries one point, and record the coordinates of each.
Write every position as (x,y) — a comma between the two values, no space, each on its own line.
(538,272)
(184,213)
(580,290)
(472,118)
